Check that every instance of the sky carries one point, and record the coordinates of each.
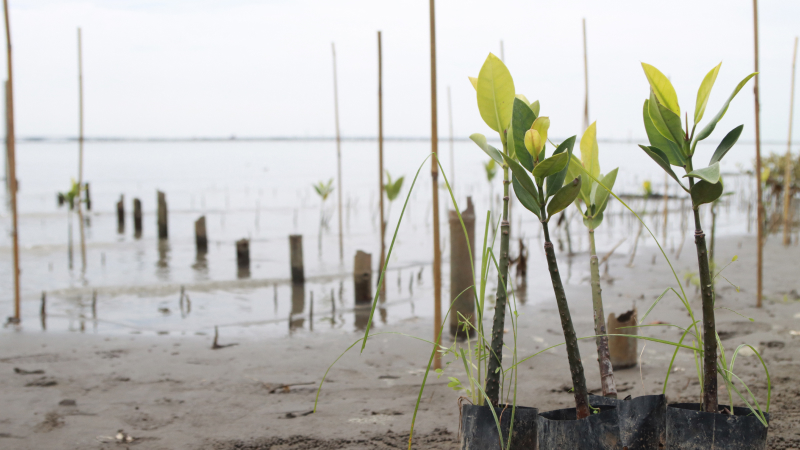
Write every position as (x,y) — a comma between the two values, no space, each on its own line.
(217,68)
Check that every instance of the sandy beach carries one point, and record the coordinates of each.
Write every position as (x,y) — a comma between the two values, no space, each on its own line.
(77,391)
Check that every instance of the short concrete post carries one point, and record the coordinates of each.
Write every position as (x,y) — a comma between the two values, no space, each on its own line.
(461,269)
(137,218)
(243,253)
(162,215)
(296,257)
(622,349)
(121,214)
(362,277)
(200,238)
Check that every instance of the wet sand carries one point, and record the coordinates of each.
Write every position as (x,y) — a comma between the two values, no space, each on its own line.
(173,392)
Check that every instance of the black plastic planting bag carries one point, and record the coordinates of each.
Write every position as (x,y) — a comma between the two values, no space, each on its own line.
(559,430)
(479,430)
(642,420)
(688,428)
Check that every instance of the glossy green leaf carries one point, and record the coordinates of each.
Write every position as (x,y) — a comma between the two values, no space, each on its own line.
(521,120)
(495,94)
(541,124)
(661,159)
(673,123)
(524,99)
(575,169)
(535,108)
(710,173)
(658,121)
(705,192)
(564,197)
(706,132)
(704,92)
(521,175)
(589,152)
(525,198)
(554,182)
(601,196)
(662,87)
(726,144)
(657,140)
(593,222)
(488,149)
(474,82)
(551,165)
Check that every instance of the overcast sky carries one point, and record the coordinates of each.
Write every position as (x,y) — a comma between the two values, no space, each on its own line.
(263,68)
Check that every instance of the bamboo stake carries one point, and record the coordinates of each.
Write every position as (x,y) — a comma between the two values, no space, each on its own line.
(452,154)
(380,160)
(437,251)
(759,203)
(787,176)
(80,153)
(12,165)
(502,53)
(338,151)
(585,80)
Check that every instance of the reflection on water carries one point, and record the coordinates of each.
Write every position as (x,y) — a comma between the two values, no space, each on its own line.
(243,272)
(201,266)
(361,314)
(162,266)
(296,318)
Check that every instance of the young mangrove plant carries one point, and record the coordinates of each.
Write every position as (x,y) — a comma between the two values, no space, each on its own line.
(324,190)
(392,189)
(595,200)
(673,144)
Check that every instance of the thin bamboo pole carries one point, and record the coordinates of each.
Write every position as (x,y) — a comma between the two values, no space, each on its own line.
(338,151)
(380,158)
(502,53)
(787,176)
(12,165)
(452,153)
(437,251)
(759,203)
(80,153)
(585,80)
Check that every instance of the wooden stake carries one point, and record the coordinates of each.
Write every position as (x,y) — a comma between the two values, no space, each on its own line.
(462,271)
(380,161)
(163,232)
(787,176)
(362,277)
(121,215)
(296,258)
(437,251)
(80,154)
(338,151)
(137,218)
(200,237)
(759,203)
(585,80)
(12,165)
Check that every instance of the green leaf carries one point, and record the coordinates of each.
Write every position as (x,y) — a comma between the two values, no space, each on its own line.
(521,120)
(710,173)
(663,89)
(706,132)
(726,144)
(551,165)
(602,195)
(495,94)
(673,123)
(564,197)
(704,92)
(575,169)
(593,222)
(474,82)
(659,141)
(526,199)
(658,121)
(524,99)
(661,159)
(488,149)
(705,192)
(589,152)
(535,108)
(554,182)
(521,175)
(392,189)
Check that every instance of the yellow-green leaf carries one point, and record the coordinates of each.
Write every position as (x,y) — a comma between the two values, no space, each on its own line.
(532,141)
(704,92)
(589,151)
(474,82)
(495,94)
(655,117)
(705,132)
(541,125)
(535,108)
(709,174)
(523,98)
(662,88)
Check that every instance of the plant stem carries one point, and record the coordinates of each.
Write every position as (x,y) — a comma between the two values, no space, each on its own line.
(603,356)
(496,358)
(573,353)
(709,323)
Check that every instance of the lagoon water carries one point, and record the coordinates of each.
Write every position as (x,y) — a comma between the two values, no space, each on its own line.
(261,190)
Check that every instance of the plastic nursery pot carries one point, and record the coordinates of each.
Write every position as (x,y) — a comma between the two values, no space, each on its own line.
(560,430)
(642,420)
(688,428)
(479,430)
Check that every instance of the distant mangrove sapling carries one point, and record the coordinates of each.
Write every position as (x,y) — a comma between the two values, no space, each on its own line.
(595,200)
(324,190)
(672,144)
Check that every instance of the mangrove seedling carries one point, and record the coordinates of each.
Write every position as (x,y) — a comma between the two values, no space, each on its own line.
(673,144)
(595,200)
(324,190)
(392,190)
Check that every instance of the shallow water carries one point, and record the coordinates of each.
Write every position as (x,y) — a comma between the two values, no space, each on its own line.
(262,191)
